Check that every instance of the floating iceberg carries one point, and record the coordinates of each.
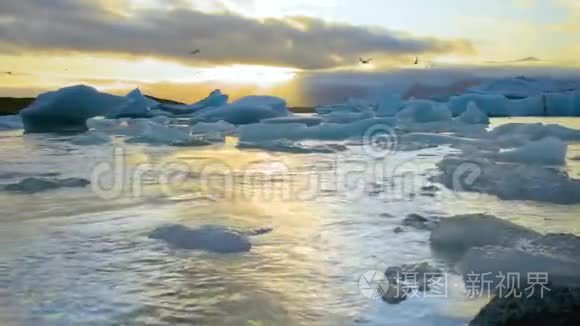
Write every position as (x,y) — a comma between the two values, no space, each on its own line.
(213,238)
(422,111)
(346,117)
(473,115)
(215,99)
(531,106)
(307,120)
(247,110)
(535,131)
(34,185)
(386,104)
(563,104)
(220,127)
(463,232)
(9,122)
(508,181)
(67,109)
(492,105)
(135,106)
(549,150)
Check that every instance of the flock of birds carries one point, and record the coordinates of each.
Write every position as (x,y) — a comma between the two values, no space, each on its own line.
(197,51)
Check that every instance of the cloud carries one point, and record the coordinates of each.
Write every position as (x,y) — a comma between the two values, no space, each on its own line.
(107,26)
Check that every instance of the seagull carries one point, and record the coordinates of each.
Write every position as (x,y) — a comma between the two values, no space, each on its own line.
(365,61)
(416,61)
(194,52)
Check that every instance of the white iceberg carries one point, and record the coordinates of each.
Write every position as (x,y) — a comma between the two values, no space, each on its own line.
(67,109)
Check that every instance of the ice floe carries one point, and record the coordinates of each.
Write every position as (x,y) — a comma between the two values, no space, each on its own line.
(548,151)
(9,122)
(33,185)
(67,109)
(213,238)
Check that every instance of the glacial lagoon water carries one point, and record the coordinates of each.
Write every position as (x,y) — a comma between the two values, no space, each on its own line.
(82,256)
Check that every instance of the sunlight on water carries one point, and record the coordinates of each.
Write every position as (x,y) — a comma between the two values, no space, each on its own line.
(69,256)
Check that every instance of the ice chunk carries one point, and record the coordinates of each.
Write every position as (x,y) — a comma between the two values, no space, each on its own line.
(473,115)
(247,110)
(531,106)
(215,99)
(262,132)
(9,122)
(463,232)
(563,104)
(386,104)
(135,106)
(67,109)
(492,105)
(421,111)
(302,119)
(213,238)
(549,150)
(91,138)
(34,185)
(220,127)
(346,117)
(535,131)
(508,181)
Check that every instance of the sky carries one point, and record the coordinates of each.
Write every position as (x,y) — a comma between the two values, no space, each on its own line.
(249,46)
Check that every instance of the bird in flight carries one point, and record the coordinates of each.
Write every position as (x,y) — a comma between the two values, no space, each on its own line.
(194,52)
(416,61)
(365,61)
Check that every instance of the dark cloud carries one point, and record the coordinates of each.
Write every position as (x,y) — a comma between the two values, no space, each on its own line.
(224,38)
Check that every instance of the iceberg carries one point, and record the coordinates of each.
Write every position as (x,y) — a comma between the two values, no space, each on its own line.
(247,110)
(212,238)
(531,106)
(422,111)
(473,115)
(386,104)
(215,99)
(563,104)
(549,151)
(135,106)
(302,119)
(535,131)
(492,105)
(67,109)
(508,181)
(220,127)
(463,232)
(9,122)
